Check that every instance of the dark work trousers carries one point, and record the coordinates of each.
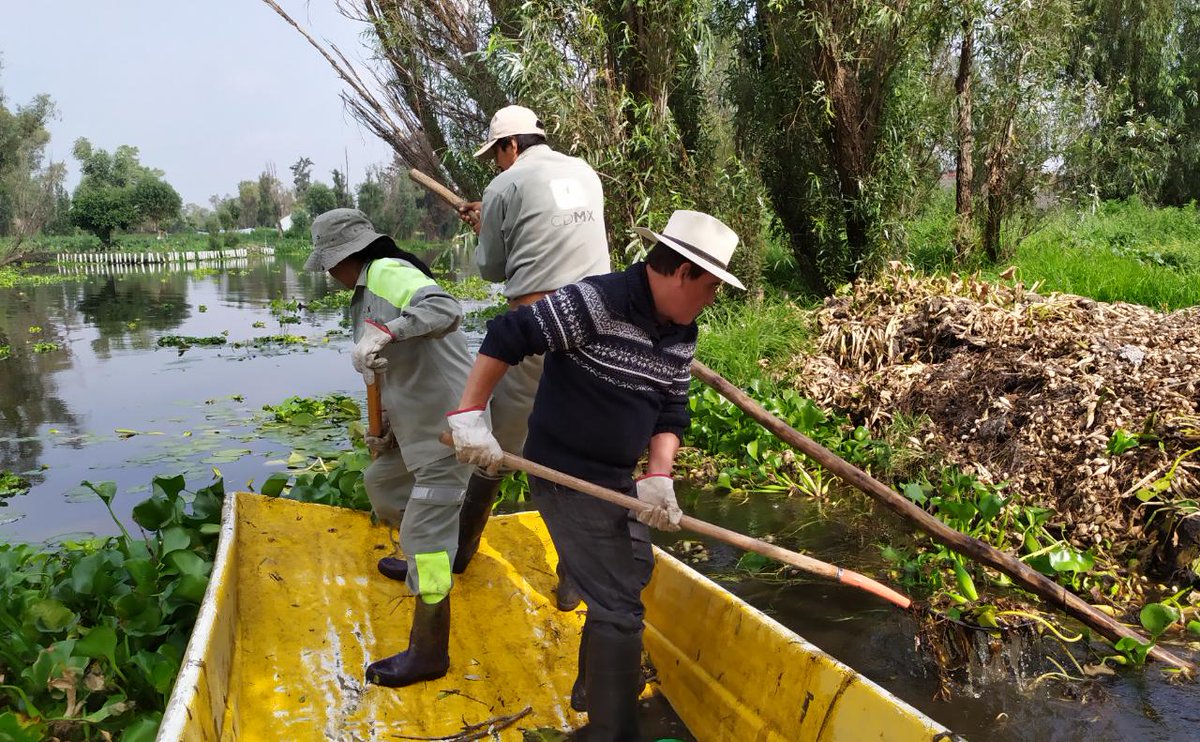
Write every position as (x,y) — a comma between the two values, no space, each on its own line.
(606,552)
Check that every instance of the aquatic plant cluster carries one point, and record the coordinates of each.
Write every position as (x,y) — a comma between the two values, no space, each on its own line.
(94,631)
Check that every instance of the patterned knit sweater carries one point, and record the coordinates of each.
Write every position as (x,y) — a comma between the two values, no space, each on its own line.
(614,375)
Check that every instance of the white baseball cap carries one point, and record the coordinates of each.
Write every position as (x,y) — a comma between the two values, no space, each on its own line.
(511,121)
(704,240)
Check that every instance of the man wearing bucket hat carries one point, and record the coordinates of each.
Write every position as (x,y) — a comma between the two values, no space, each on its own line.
(406,339)
(618,348)
(540,227)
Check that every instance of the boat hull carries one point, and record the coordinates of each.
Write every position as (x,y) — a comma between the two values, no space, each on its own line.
(295,611)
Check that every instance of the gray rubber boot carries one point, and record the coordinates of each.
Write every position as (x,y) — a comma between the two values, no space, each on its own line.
(428,653)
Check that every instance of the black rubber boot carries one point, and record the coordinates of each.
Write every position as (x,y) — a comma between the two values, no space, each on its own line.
(579,690)
(566,597)
(394,568)
(428,653)
(476,509)
(614,672)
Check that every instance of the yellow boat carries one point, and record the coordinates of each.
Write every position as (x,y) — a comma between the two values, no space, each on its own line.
(295,611)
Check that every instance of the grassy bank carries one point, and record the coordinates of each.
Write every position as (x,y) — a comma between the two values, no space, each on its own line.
(1120,251)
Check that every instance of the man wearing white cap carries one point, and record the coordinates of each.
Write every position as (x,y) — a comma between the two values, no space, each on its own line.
(618,349)
(540,227)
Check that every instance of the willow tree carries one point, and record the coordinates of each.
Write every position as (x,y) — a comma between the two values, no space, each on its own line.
(629,86)
(1020,111)
(1136,65)
(836,101)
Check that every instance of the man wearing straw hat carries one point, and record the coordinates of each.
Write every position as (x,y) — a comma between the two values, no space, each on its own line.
(618,348)
(540,227)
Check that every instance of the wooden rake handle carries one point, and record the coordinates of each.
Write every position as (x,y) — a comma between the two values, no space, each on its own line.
(799,561)
(453,199)
(374,411)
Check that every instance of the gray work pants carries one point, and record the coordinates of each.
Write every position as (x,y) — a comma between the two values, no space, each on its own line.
(606,552)
(424,505)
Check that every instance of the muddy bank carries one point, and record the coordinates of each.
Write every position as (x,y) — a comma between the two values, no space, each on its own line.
(1087,408)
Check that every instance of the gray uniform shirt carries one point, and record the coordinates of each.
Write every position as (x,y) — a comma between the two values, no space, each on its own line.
(542,224)
(428,362)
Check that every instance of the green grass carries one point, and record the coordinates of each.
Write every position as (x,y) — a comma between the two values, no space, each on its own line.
(747,340)
(1125,251)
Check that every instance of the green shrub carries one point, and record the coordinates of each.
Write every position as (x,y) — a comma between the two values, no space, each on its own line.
(745,340)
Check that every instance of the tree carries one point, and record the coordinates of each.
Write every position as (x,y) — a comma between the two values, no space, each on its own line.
(117,192)
(341,191)
(269,209)
(249,199)
(318,199)
(28,190)
(1135,65)
(1016,101)
(611,82)
(835,101)
(155,201)
(102,210)
(301,175)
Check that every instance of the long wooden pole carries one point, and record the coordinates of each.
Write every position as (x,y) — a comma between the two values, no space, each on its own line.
(439,190)
(972,548)
(374,410)
(969,547)
(799,561)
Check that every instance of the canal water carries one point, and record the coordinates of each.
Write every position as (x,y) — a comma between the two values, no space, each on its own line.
(110,404)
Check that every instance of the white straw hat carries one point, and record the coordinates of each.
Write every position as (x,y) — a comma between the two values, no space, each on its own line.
(511,121)
(704,240)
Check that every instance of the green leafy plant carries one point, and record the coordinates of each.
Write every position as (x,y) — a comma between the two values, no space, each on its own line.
(751,457)
(1121,441)
(45,347)
(305,411)
(183,342)
(11,484)
(92,633)
(471,288)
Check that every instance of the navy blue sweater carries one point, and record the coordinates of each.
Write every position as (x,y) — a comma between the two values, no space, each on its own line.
(614,376)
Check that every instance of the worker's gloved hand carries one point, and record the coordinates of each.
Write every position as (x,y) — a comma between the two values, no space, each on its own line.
(365,356)
(659,490)
(473,439)
(384,441)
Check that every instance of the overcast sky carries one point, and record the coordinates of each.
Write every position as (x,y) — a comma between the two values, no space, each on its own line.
(209,91)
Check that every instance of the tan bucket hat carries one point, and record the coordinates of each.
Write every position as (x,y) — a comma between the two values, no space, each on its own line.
(704,240)
(338,234)
(511,121)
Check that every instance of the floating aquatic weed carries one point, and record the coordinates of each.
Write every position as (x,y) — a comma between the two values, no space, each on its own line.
(183,342)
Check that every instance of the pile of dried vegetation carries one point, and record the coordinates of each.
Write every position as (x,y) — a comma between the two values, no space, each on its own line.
(1086,408)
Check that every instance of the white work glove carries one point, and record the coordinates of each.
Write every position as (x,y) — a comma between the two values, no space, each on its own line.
(385,441)
(659,490)
(473,439)
(365,356)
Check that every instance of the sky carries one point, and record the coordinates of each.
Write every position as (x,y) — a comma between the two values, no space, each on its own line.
(209,91)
